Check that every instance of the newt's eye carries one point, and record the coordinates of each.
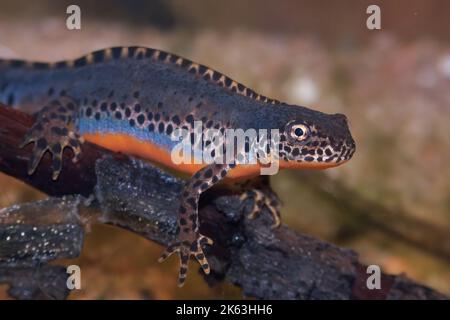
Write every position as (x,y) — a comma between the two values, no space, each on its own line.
(299,132)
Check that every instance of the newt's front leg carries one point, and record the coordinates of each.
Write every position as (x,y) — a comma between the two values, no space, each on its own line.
(52,132)
(190,240)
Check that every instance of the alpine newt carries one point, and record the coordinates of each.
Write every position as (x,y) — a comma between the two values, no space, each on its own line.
(131,99)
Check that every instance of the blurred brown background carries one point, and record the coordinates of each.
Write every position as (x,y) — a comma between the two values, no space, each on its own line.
(391,202)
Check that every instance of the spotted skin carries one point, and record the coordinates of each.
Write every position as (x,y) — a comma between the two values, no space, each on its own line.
(51,133)
(131,99)
(190,240)
(262,196)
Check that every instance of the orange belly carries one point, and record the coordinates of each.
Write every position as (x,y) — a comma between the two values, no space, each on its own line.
(129,145)
(146,150)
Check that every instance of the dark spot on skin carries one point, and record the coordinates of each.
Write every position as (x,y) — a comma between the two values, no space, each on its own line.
(190,119)
(173,58)
(157,117)
(137,107)
(73,142)
(185,63)
(287,149)
(113,106)
(118,115)
(216,76)
(319,159)
(104,106)
(98,56)
(136,94)
(80,62)
(200,256)
(56,130)
(197,175)
(207,77)
(328,152)
(161,127)
(176,120)
(127,112)
(97,116)
(202,69)
(208,173)
(132,123)
(183,221)
(183,270)
(215,179)
(88,112)
(204,186)
(151,127)
(140,119)
(309,159)
(41,143)
(182,210)
(116,52)
(295,152)
(209,124)
(197,183)
(319,152)
(191,201)
(227,81)
(169,129)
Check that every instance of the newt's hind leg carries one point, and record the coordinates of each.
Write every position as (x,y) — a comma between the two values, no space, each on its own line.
(51,132)
(260,192)
(190,241)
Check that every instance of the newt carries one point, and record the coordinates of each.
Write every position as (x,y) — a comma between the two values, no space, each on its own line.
(132,99)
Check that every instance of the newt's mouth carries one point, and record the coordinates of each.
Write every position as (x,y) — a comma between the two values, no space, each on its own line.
(310,165)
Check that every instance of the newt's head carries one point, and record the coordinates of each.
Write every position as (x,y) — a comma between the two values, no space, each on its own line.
(312,139)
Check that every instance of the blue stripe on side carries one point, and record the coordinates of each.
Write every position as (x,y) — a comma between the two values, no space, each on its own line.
(106,126)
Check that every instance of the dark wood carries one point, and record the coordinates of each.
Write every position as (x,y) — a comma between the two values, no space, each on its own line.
(266,263)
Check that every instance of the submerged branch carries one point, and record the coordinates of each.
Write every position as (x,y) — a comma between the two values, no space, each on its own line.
(266,263)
